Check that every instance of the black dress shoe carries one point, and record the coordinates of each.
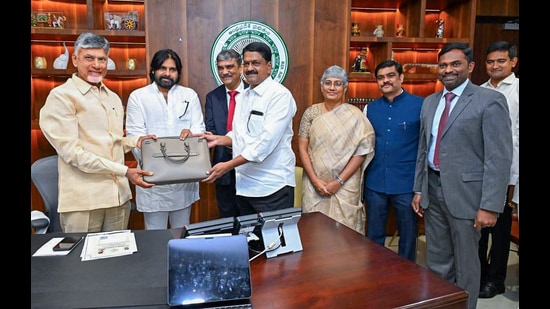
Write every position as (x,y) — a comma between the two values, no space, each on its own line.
(490,289)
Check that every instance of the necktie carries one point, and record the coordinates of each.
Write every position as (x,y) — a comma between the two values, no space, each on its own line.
(449,96)
(231,111)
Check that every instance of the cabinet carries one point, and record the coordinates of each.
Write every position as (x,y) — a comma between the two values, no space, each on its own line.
(416,49)
(77,16)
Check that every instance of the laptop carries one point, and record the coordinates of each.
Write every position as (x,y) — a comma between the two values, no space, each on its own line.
(209,272)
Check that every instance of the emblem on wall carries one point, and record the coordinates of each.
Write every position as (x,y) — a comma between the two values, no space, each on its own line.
(237,35)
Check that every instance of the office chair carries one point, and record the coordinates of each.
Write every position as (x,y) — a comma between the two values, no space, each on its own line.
(39,222)
(44,175)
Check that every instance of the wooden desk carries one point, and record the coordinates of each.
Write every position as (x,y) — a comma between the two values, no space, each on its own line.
(340,268)
(337,268)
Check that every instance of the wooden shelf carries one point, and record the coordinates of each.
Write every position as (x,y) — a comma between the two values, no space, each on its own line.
(406,40)
(56,35)
(68,72)
(419,45)
(369,77)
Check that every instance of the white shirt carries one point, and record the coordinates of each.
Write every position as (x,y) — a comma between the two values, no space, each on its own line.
(510,88)
(438,111)
(147,112)
(262,134)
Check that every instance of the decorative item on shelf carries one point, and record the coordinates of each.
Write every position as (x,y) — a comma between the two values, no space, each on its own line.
(111,64)
(45,19)
(131,64)
(40,62)
(360,63)
(59,21)
(34,20)
(355,31)
(360,102)
(420,68)
(121,20)
(440,25)
(400,30)
(379,31)
(62,61)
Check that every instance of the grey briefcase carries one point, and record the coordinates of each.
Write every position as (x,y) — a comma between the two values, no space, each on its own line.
(173,160)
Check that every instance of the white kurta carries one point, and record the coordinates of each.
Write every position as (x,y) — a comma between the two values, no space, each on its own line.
(149,113)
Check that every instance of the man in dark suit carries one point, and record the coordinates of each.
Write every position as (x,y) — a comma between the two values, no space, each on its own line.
(229,64)
(463,189)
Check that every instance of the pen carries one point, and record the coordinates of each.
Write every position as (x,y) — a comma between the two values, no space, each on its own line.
(404,124)
(185,111)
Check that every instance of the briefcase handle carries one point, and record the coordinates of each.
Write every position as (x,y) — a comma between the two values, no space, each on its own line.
(172,158)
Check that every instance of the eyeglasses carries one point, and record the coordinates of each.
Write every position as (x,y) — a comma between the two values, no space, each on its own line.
(336,83)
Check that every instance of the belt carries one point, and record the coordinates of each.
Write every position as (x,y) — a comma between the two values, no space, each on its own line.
(434,171)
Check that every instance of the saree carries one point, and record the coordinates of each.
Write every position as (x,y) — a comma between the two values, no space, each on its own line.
(335,137)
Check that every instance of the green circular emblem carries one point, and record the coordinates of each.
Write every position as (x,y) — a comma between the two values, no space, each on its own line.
(236,36)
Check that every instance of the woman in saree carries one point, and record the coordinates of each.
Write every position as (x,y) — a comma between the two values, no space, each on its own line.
(335,143)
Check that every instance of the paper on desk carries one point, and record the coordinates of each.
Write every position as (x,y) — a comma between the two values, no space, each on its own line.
(47,248)
(108,244)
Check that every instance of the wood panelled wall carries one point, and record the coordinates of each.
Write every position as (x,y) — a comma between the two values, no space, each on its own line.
(498,8)
(314,32)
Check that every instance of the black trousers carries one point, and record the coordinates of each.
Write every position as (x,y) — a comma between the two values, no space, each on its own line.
(494,260)
(284,198)
(226,198)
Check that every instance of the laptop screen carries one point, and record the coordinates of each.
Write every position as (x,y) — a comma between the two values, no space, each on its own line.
(208,269)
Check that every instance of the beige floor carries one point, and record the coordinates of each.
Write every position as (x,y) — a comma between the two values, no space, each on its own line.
(508,300)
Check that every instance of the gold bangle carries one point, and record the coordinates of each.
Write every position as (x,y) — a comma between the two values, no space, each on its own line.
(340,180)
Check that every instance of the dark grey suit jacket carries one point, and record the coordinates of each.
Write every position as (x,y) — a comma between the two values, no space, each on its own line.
(475,152)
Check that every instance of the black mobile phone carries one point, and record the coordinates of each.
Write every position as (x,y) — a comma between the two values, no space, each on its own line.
(67,243)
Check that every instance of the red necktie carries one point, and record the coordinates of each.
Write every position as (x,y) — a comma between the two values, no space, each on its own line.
(231,111)
(449,96)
